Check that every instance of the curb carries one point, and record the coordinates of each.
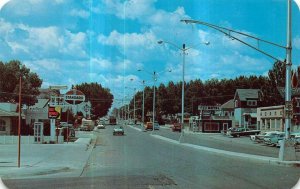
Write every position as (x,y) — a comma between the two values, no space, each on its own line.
(90,147)
(250,157)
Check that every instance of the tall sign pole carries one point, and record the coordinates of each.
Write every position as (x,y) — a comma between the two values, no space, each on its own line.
(287,149)
(288,68)
(19,124)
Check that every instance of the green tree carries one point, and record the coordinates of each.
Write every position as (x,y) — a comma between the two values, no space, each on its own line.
(271,95)
(100,98)
(9,83)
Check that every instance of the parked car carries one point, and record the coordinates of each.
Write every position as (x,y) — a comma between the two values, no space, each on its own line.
(237,132)
(176,127)
(268,138)
(148,126)
(296,137)
(260,138)
(100,126)
(118,131)
(156,125)
(275,140)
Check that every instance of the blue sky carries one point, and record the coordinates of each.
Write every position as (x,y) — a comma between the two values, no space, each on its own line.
(106,41)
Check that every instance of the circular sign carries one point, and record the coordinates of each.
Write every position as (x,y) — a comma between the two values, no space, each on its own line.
(74,97)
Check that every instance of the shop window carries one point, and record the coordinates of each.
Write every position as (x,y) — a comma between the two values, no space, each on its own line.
(2,125)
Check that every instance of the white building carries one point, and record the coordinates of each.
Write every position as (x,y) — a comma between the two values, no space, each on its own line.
(270,118)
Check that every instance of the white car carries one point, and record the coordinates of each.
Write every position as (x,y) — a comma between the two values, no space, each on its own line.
(100,126)
(260,138)
(118,131)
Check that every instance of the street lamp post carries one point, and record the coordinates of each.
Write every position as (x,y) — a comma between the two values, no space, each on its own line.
(143,108)
(153,112)
(287,150)
(154,75)
(133,101)
(183,49)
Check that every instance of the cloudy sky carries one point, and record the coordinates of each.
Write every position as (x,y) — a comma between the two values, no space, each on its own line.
(106,41)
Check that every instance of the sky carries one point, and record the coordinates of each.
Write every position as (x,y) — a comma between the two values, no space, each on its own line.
(68,42)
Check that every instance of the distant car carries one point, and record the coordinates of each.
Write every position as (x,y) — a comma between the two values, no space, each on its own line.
(100,126)
(176,127)
(148,126)
(156,125)
(118,131)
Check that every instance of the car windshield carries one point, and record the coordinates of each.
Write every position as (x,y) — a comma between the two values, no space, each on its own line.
(149,94)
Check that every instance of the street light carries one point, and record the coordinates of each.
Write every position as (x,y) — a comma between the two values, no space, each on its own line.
(154,76)
(133,101)
(286,151)
(183,49)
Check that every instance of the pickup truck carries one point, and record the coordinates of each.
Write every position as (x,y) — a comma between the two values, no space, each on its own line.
(237,132)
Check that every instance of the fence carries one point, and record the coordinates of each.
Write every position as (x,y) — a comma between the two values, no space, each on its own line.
(8,139)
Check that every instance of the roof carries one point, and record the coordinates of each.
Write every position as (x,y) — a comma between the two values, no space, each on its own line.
(228,105)
(245,94)
(41,103)
(4,113)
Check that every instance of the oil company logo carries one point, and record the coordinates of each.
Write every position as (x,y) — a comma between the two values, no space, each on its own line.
(74,97)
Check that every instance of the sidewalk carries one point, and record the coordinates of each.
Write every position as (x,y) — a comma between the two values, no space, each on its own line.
(46,160)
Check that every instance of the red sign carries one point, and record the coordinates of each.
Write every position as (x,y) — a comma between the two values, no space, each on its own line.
(52,113)
(74,97)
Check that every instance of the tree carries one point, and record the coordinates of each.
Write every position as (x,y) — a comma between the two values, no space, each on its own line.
(100,98)
(9,83)
(271,95)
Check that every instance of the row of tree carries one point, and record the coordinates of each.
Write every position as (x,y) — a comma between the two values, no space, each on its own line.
(12,71)
(210,92)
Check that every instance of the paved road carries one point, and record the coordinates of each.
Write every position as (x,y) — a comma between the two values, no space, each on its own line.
(218,141)
(139,160)
(152,163)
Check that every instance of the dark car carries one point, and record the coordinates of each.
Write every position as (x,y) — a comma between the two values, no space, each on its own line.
(176,127)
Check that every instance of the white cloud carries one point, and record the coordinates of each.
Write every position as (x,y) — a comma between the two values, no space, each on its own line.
(132,9)
(80,13)
(48,65)
(74,44)
(296,42)
(43,42)
(128,40)
(102,63)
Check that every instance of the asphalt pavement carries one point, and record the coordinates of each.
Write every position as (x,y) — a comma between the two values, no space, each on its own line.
(147,160)
(138,160)
(241,147)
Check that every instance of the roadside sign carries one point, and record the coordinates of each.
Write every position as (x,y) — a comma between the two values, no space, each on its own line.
(54,112)
(74,97)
